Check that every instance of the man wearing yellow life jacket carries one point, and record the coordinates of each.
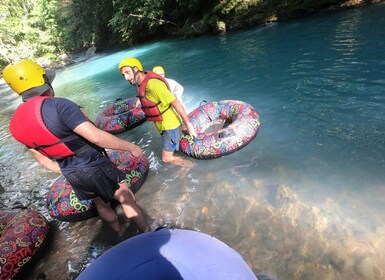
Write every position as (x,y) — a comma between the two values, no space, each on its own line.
(159,105)
(63,140)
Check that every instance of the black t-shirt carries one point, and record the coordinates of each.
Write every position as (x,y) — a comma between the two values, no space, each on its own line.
(62,116)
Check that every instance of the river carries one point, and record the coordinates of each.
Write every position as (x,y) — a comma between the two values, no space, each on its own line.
(304,200)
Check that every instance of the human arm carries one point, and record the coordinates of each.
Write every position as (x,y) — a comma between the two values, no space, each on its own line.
(45,161)
(76,121)
(104,139)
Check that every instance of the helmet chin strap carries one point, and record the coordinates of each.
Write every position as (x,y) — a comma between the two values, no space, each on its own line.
(52,92)
(135,74)
(48,82)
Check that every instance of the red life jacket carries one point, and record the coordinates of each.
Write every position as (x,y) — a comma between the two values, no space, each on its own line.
(27,127)
(151,109)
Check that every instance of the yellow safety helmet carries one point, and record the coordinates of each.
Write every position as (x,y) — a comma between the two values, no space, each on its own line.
(130,61)
(26,76)
(158,70)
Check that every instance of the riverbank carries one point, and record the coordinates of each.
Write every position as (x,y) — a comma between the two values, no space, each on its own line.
(238,15)
(215,18)
(235,15)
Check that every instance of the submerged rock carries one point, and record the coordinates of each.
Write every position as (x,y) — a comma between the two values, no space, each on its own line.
(366,268)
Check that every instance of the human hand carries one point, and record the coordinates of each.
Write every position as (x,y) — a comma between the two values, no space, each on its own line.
(191,129)
(136,151)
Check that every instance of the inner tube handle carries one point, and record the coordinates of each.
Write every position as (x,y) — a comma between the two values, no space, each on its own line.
(202,103)
(226,132)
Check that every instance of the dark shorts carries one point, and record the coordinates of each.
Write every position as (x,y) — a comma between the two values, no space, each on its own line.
(171,138)
(98,181)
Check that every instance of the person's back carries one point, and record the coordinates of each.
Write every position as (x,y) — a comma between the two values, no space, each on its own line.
(176,88)
(64,141)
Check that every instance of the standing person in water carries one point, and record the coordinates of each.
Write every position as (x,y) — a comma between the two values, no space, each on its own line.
(63,140)
(160,107)
(176,88)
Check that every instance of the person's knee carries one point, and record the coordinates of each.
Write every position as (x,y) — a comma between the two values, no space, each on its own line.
(112,218)
(105,211)
(100,204)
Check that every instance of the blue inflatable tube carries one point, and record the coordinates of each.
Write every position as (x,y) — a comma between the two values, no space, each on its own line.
(169,254)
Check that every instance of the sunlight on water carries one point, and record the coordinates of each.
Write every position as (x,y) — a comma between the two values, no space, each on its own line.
(304,200)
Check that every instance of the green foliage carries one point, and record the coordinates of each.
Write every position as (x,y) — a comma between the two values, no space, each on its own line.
(13,27)
(134,19)
(33,29)
(48,28)
(26,29)
(83,23)
(140,20)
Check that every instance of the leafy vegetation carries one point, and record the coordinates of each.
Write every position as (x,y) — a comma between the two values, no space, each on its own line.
(49,29)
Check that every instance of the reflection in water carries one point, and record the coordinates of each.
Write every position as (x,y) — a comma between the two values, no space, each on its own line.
(304,200)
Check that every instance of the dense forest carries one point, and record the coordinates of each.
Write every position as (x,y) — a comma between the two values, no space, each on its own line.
(52,30)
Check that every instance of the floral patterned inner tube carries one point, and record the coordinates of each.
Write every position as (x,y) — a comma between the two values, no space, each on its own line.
(222,127)
(23,236)
(63,204)
(120,116)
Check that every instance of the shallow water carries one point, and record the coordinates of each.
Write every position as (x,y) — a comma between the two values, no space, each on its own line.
(304,200)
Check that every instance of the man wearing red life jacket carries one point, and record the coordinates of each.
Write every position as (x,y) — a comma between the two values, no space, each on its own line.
(176,88)
(63,140)
(160,107)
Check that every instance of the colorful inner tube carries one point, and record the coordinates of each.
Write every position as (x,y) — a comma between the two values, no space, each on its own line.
(23,234)
(63,204)
(170,254)
(120,116)
(223,127)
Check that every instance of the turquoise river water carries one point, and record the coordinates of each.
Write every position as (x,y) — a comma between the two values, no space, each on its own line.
(304,200)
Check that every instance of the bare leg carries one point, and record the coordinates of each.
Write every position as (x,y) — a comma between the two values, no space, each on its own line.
(108,214)
(168,157)
(127,200)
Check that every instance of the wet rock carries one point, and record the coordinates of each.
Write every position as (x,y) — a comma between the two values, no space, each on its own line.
(219,28)
(200,27)
(90,51)
(366,268)
(336,261)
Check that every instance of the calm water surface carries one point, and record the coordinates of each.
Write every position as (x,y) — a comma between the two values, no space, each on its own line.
(304,200)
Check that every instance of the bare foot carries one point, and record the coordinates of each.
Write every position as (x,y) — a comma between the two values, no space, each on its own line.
(177,160)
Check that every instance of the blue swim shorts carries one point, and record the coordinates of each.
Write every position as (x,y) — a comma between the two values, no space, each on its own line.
(170,139)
